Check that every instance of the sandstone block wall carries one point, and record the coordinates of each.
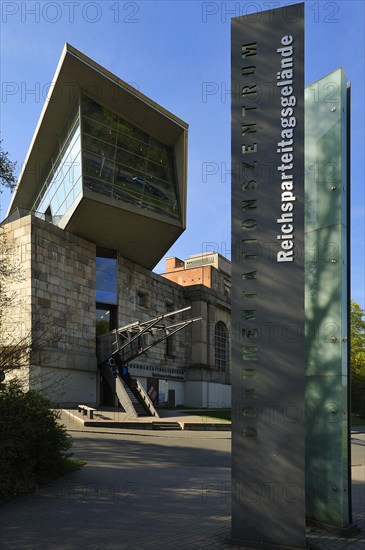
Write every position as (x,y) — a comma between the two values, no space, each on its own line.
(63,292)
(144,295)
(15,300)
(55,307)
(54,304)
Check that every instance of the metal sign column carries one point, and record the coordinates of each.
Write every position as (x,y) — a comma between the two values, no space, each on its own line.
(268,384)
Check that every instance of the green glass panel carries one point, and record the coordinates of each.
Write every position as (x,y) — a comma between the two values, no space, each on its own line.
(328,493)
(129,143)
(104,136)
(98,113)
(123,162)
(327,490)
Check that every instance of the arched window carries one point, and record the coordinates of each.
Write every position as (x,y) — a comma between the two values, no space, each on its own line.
(221,347)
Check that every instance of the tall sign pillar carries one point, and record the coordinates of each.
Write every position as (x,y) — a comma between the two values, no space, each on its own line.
(268,363)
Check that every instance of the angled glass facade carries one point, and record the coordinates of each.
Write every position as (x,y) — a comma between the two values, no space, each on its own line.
(111,157)
(61,177)
(125,163)
(110,168)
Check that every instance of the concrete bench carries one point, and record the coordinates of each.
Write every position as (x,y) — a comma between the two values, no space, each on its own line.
(86,411)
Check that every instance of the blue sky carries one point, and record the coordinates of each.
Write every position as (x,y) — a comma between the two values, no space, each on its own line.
(177,53)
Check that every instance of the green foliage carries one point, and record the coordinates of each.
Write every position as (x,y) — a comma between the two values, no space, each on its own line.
(357,359)
(7,169)
(33,445)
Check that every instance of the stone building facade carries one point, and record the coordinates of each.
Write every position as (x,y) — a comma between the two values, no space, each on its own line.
(56,302)
(100,200)
(55,308)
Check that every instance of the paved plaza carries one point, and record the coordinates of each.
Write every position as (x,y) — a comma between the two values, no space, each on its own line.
(144,489)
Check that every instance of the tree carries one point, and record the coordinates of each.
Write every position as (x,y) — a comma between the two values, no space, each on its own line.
(357,359)
(7,170)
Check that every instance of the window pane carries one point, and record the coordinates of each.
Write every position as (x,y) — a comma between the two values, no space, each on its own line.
(62,171)
(104,134)
(96,112)
(161,172)
(162,155)
(128,129)
(98,166)
(221,346)
(134,145)
(139,168)
(102,321)
(133,161)
(106,280)
(95,145)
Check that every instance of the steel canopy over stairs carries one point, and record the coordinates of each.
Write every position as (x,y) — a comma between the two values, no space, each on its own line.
(117,348)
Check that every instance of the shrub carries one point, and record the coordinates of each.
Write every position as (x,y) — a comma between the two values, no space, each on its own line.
(33,445)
